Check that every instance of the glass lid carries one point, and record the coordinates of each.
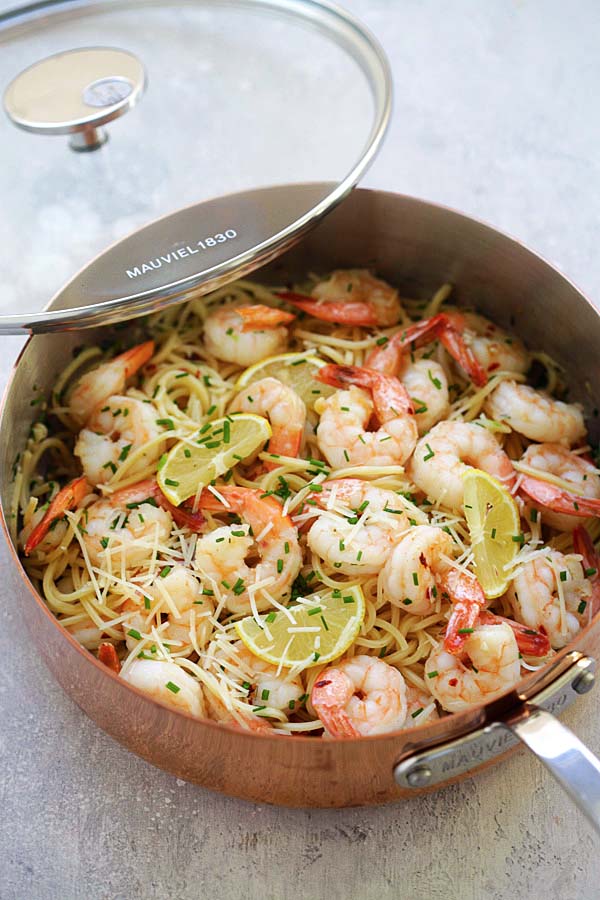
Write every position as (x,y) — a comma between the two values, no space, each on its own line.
(194,140)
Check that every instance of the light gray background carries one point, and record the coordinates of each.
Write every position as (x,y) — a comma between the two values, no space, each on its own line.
(496,114)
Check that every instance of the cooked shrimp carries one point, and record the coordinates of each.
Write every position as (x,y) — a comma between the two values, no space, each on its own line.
(358,527)
(390,357)
(427,386)
(529,642)
(442,455)
(241,719)
(246,334)
(495,349)
(562,508)
(126,526)
(120,427)
(490,667)
(86,633)
(550,593)
(68,498)
(535,414)
(282,407)
(342,430)
(350,297)
(221,555)
(188,609)
(267,688)
(583,544)
(411,577)
(166,682)
(360,696)
(420,707)
(119,535)
(106,380)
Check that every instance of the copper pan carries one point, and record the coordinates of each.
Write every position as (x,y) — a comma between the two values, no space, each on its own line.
(417,246)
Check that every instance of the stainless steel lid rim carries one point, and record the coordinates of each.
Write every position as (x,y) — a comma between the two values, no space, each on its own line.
(337,25)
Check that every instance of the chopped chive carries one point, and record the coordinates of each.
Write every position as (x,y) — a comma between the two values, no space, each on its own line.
(291,704)
(271,617)
(226,432)
(346,457)
(533,515)
(435,381)
(518,538)
(164,571)
(211,409)
(279,566)
(407,601)
(313,612)
(581,607)
(238,587)
(416,713)
(182,375)
(415,579)
(433,674)
(264,694)
(563,575)
(134,634)
(171,483)
(493,533)
(187,452)
(146,603)
(325,625)
(429,455)
(104,542)
(168,423)
(246,685)
(161,462)
(298,362)
(316,656)
(348,599)
(172,687)
(466,630)
(381,341)
(111,466)
(589,572)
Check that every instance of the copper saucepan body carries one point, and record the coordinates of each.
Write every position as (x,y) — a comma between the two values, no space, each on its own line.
(416,246)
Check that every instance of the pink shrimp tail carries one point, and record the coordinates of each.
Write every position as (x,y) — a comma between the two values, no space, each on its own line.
(341,312)
(136,357)
(468,601)
(67,498)
(330,695)
(183,515)
(440,327)
(390,397)
(108,657)
(552,497)
(583,544)
(260,316)
(529,642)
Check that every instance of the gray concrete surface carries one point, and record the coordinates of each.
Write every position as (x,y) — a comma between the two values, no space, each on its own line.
(496,113)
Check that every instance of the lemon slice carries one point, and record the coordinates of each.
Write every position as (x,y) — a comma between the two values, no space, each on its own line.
(297,370)
(210,452)
(309,633)
(493,520)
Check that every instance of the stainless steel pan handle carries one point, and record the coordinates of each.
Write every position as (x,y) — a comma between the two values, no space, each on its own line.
(564,755)
(535,725)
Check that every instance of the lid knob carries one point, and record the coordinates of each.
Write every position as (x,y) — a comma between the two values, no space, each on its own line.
(76,92)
